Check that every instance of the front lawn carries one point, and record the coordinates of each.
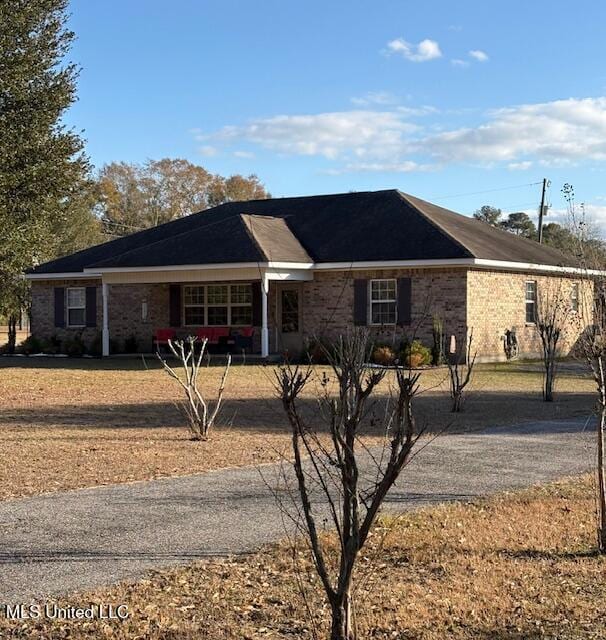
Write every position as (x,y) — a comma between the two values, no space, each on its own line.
(66,424)
(513,567)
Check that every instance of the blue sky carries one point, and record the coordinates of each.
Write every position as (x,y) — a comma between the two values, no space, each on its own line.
(438,99)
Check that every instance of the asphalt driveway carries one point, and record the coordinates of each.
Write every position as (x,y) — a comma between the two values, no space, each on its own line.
(65,542)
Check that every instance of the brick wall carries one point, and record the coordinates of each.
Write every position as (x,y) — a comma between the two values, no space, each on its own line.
(496,302)
(328,303)
(43,311)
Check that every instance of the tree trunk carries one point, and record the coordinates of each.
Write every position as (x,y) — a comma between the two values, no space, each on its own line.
(601,481)
(12,333)
(342,628)
(548,390)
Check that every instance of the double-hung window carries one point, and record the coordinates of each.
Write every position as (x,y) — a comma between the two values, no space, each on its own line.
(76,307)
(574,297)
(217,305)
(531,301)
(383,301)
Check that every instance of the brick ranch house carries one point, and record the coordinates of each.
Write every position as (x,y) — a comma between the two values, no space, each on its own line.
(283,271)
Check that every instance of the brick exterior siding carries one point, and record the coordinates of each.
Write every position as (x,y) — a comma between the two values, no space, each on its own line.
(489,302)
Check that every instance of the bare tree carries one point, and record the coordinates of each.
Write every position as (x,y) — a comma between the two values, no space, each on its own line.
(460,369)
(201,414)
(592,343)
(335,470)
(552,316)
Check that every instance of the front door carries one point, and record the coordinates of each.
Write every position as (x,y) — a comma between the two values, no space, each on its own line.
(289,318)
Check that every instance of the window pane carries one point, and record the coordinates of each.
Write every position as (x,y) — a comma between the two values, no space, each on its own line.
(241,294)
(383,290)
(531,291)
(75,297)
(530,312)
(194,315)
(241,316)
(217,294)
(194,295)
(383,313)
(217,316)
(76,317)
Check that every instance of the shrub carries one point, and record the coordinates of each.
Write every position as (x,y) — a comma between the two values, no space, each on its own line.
(318,351)
(30,345)
(416,354)
(53,346)
(383,355)
(95,348)
(74,347)
(131,344)
(437,349)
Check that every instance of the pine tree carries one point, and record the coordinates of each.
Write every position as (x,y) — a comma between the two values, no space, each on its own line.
(42,164)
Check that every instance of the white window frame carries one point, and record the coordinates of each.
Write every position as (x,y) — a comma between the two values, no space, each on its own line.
(69,307)
(527,301)
(205,305)
(574,297)
(371,302)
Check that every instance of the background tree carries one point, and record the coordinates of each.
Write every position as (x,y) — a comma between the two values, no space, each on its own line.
(520,224)
(43,169)
(133,196)
(490,215)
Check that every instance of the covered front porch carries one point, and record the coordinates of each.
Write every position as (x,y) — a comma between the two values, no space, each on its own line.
(238,309)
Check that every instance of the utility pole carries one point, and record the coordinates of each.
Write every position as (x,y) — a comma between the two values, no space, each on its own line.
(541,209)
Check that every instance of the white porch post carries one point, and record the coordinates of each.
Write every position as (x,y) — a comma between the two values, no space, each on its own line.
(264,327)
(105,325)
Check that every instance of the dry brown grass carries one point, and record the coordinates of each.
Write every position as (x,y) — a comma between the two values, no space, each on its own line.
(74,423)
(517,566)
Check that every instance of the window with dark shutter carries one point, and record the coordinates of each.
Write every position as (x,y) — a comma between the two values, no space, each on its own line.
(257,311)
(174,304)
(59,306)
(360,310)
(91,306)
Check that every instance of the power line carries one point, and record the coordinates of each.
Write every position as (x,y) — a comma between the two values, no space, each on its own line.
(475,193)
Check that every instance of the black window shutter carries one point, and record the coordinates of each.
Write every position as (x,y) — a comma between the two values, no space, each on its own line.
(404,301)
(174,305)
(59,306)
(91,306)
(360,309)
(257,311)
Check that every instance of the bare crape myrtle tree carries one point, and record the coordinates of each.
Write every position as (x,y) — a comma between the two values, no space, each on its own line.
(201,414)
(552,316)
(332,473)
(591,346)
(460,371)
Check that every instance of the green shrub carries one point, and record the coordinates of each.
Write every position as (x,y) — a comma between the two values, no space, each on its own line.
(74,347)
(30,345)
(95,348)
(416,354)
(318,351)
(131,344)
(437,349)
(53,346)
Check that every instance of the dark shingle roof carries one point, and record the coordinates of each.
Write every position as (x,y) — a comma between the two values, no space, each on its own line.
(350,227)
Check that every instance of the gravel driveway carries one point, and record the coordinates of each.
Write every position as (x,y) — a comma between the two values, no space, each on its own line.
(76,540)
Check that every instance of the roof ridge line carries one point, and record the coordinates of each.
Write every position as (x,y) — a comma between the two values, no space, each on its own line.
(435,224)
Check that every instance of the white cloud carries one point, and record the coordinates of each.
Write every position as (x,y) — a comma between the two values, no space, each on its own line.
(519,166)
(375,97)
(406,166)
(560,131)
(331,135)
(457,62)
(244,154)
(479,55)
(422,52)
(207,150)
(571,131)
